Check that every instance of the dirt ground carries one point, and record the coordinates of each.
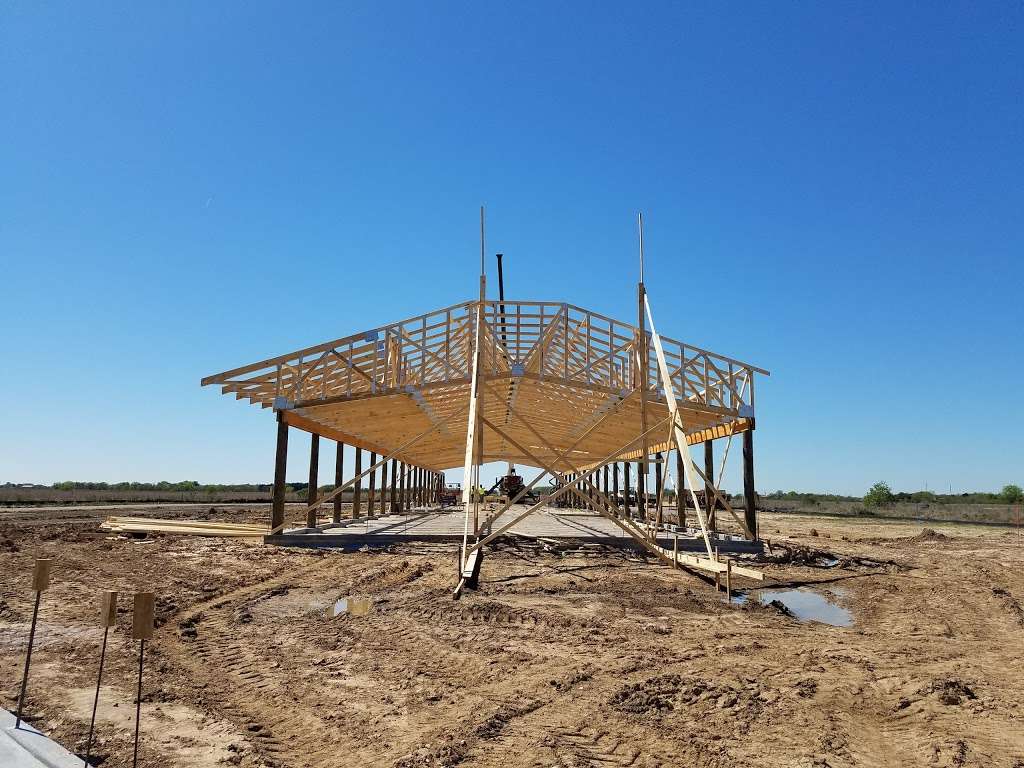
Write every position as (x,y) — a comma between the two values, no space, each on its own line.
(559,659)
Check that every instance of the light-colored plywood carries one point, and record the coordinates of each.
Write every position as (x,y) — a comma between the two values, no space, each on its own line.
(41,574)
(143,612)
(108,608)
(561,366)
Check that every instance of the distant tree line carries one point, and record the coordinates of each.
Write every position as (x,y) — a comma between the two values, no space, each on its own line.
(163,485)
(813,498)
(880,495)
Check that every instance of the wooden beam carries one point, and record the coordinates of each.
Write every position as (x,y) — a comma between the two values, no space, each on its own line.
(314,469)
(339,472)
(749,494)
(280,470)
(357,491)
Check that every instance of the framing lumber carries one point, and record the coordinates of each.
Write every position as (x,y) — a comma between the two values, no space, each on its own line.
(559,364)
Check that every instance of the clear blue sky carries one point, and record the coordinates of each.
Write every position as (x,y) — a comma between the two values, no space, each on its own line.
(832,191)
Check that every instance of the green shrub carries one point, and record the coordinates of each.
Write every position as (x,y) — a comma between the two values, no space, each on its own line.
(879,495)
(1012,494)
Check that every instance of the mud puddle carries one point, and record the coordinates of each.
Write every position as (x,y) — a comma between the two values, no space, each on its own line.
(804,603)
(354,606)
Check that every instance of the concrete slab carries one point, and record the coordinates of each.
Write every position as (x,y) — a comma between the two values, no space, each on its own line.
(446,525)
(25,747)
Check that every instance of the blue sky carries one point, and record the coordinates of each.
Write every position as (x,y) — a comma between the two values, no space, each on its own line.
(831,191)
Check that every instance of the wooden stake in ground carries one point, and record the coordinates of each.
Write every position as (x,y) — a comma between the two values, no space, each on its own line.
(142,630)
(40,581)
(108,618)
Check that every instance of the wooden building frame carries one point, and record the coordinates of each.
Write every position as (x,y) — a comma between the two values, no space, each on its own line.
(536,383)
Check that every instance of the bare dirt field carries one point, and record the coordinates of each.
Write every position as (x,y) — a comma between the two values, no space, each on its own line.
(560,659)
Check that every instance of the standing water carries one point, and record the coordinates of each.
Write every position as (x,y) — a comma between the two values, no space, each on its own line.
(354,606)
(804,604)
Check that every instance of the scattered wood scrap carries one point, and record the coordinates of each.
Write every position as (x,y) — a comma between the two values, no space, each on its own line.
(117,524)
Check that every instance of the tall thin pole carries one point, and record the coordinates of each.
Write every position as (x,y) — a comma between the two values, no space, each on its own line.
(642,355)
(40,581)
(640,226)
(481,242)
(28,659)
(108,617)
(96,698)
(142,629)
(138,702)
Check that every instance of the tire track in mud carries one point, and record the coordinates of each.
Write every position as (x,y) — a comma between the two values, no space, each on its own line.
(234,684)
(592,747)
(236,687)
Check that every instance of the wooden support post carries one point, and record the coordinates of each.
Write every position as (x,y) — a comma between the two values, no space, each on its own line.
(625,487)
(605,474)
(659,477)
(314,469)
(680,491)
(615,482)
(372,492)
(641,489)
(339,470)
(728,580)
(401,487)
(749,494)
(394,487)
(383,506)
(709,492)
(357,490)
(280,469)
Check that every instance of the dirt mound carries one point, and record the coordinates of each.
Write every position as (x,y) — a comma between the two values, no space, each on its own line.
(652,695)
(798,554)
(929,534)
(951,691)
(1010,604)
(7,613)
(664,694)
(448,752)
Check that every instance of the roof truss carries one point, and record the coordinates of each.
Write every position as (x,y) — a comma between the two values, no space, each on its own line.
(561,366)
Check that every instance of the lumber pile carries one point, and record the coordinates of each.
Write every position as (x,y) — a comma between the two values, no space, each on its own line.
(117,524)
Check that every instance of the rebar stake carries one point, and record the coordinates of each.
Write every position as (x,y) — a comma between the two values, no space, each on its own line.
(108,617)
(40,581)
(142,628)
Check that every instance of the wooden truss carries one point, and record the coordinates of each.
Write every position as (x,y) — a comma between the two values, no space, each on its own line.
(583,381)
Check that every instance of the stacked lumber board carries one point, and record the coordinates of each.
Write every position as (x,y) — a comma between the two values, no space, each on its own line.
(187,527)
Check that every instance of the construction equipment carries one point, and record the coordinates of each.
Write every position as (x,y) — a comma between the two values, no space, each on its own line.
(450,494)
(509,486)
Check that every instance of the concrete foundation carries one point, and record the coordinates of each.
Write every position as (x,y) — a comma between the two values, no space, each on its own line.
(446,525)
(25,747)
